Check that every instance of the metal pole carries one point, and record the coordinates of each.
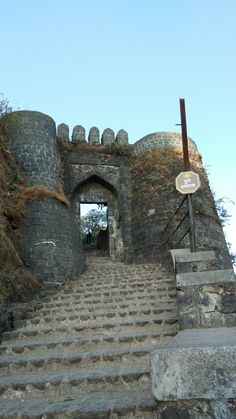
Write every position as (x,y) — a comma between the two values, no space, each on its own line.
(187,168)
(184,135)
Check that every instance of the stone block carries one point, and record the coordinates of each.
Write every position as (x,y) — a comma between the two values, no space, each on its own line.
(63,132)
(196,364)
(194,257)
(108,136)
(206,299)
(175,252)
(122,137)
(93,137)
(78,134)
(195,262)
(201,278)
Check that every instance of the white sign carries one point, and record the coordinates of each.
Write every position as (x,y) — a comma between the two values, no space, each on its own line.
(187,182)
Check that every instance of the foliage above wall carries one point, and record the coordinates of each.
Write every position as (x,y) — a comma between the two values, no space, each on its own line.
(158,168)
(84,148)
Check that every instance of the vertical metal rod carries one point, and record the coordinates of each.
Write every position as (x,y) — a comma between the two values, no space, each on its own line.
(184,135)
(187,168)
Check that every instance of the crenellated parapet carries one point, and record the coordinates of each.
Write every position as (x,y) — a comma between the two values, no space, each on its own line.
(79,135)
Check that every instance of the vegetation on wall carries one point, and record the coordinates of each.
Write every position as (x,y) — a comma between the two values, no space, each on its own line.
(157,169)
(113,149)
(4,105)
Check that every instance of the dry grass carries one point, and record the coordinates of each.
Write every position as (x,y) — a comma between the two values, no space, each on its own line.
(25,195)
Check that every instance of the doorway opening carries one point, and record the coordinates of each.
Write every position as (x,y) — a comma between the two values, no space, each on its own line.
(94,226)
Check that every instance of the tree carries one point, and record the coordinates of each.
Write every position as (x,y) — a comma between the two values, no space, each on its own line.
(4,105)
(95,219)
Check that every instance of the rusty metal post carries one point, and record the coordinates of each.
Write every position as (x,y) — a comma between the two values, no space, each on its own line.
(184,135)
(187,168)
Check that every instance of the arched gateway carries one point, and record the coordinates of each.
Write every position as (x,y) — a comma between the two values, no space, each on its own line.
(95,190)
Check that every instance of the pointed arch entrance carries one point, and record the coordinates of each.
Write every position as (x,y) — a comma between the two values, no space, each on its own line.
(96,190)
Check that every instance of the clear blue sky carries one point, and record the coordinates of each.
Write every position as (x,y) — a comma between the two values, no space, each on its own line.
(125,64)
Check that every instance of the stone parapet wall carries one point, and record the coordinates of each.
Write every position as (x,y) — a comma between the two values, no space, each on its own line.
(79,135)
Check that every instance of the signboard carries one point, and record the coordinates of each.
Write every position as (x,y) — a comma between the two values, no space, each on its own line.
(187,182)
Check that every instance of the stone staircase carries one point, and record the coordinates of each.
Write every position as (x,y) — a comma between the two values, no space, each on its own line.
(84,351)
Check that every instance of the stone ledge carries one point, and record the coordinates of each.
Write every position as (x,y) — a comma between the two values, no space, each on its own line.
(202,278)
(196,364)
(179,252)
(195,257)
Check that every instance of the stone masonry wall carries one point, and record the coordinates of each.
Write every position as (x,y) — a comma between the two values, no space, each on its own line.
(52,245)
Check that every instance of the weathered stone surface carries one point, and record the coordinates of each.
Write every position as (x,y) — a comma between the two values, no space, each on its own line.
(179,252)
(78,134)
(63,132)
(197,409)
(108,136)
(207,305)
(228,301)
(32,139)
(94,137)
(122,137)
(202,278)
(194,257)
(45,252)
(195,262)
(196,365)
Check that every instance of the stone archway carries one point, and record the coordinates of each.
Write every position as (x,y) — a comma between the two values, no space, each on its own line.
(95,190)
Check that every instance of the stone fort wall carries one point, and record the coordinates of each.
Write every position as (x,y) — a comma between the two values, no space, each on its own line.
(137,182)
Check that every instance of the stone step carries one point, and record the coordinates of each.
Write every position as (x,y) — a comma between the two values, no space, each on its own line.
(109,312)
(84,307)
(136,338)
(127,404)
(115,298)
(59,360)
(103,327)
(95,317)
(122,288)
(110,291)
(106,279)
(83,350)
(31,386)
